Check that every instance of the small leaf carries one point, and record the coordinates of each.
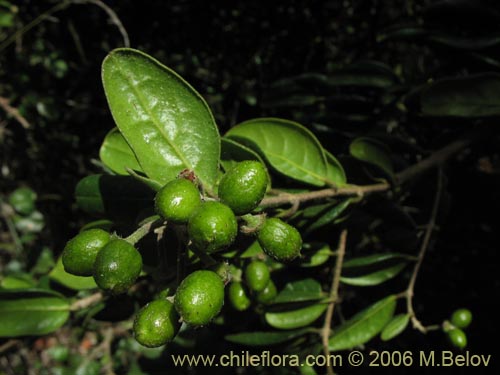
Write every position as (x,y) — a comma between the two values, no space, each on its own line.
(374,259)
(297,318)
(21,281)
(300,291)
(59,275)
(372,151)
(374,278)
(164,120)
(233,152)
(279,142)
(314,255)
(252,251)
(334,171)
(264,338)
(329,216)
(31,312)
(103,224)
(117,197)
(116,154)
(473,96)
(363,326)
(396,326)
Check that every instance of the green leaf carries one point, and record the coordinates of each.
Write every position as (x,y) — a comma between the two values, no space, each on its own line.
(374,259)
(251,251)
(372,151)
(59,275)
(31,312)
(314,255)
(288,147)
(117,155)
(103,224)
(396,326)
(375,278)
(334,171)
(264,338)
(21,281)
(117,197)
(164,120)
(297,318)
(233,152)
(330,215)
(300,291)
(473,96)
(363,326)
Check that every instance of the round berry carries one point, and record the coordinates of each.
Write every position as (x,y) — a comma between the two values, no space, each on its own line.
(461,318)
(238,296)
(80,252)
(177,200)
(279,240)
(243,187)
(199,297)
(212,227)
(457,338)
(117,266)
(257,275)
(156,324)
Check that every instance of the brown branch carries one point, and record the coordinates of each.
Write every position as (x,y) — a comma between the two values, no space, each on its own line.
(432,161)
(423,249)
(325,332)
(14,112)
(87,301)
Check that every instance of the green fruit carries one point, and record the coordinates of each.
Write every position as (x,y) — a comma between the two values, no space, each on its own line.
(243,187)
(279,240)
(117,266)
(457,338)
(199,297)
(212,227)
(177,200)
(80,252)
(257,276)
(23,200)
(238,296)
(156,323)
(461,318)
(268,294)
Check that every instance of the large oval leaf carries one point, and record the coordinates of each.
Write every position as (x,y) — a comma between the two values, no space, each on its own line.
(116,154)
(232,152)
(164,120)
(264,338)
(31,312)
(292,319)
(289,148)
(363,326)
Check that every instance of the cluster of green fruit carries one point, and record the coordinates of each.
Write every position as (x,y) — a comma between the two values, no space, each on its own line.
(211,226)
(460,320)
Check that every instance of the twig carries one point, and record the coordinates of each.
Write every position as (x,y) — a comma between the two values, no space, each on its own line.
(433,160)
(8,345)
(423,249)
(325,332)
(144,230)
(14,112)
(112,16)
(87,301)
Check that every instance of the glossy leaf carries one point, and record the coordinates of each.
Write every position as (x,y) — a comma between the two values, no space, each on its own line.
(288,147)
(473,96)
(116,197)
(60,276)
(31,312)
(334,171)
(363,326)
(264,338)
(300,291)
(375,259)
(164,120)
(395,327)
(117,155)
(375,278)
(297,318)
(233,152)
(371,151)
